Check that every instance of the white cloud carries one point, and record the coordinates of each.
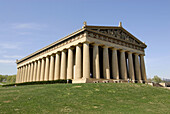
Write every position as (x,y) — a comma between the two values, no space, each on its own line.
(7,61)
(27,26)
(13,56)
(9,46)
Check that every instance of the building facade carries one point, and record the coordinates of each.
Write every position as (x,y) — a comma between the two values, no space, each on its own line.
(90,54)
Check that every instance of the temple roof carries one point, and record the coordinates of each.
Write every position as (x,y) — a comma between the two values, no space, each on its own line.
(117,32)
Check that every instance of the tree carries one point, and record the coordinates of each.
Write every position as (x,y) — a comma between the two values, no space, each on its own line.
(149,80)
(11,79)
(156,79)
(1,78)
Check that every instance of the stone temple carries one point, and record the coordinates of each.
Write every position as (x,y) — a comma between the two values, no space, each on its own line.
(92,54)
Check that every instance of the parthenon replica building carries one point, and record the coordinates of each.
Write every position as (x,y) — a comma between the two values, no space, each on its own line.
(92,54)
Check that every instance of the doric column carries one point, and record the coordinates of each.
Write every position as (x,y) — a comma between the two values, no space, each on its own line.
(78,71)
(20,73)
(143,71)
(32,71)
(38,70)
(57,66)
(51,75)
(63,65)
(123,69)
(17,75)
(46,77)
(137,68)
(42,69)
(28,73)
(106,66)
(115,69)
(131,68)
(21,76)
(25,75)
(86,60)
(70,64)
(35,71)
(96,64)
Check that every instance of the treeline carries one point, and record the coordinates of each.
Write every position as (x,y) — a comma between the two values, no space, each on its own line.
(157,79)
(8,78)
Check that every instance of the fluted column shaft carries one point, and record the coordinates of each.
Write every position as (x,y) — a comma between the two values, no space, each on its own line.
(35,71)
(51,76)
(21,76)
(46,77)
(42,69)
(70,64)
(115,69)
(96,64)
(137,68)
(86,60)
(78,70)
(131,67)
(57,67)
(17,75)
(123,68)
(38,70)
(143,71)
(25,75)
(106,66)
(63,65)
(28,73)
(32,71)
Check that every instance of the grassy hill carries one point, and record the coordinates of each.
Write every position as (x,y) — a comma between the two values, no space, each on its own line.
(85,98)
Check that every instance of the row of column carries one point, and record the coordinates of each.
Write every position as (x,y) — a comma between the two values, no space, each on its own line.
(136,70)
(61,65)
(51,68)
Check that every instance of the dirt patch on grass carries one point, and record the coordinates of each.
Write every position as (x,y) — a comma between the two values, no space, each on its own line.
(77,86)
(7,101)
(66,110)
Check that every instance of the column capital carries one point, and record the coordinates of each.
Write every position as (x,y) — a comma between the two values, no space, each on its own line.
(79,45)
(105,46)
(47,56)
(121,50)
(113,48)
(142,55)
(53,54)
(136,54)
(58,52)
(71,47)
(129,52)
(64,50)
(94,44)
(87,42)
(43,57)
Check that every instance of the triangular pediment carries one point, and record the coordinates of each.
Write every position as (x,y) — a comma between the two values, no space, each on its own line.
(118,33)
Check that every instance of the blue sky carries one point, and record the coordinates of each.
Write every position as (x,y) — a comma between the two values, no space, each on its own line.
(26,26)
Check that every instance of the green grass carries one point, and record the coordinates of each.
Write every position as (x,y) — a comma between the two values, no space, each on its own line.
(85,98)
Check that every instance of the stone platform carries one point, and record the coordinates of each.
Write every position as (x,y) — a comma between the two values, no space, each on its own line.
(92,80)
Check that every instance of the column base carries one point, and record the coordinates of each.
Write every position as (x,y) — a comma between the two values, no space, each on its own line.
(93,80)
(139,81)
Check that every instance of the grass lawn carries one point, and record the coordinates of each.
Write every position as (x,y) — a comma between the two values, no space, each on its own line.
(85,98)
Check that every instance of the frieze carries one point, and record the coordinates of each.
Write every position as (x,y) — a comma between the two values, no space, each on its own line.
(57,46)
(105,38)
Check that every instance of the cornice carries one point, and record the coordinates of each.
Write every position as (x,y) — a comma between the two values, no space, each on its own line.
(51,45)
